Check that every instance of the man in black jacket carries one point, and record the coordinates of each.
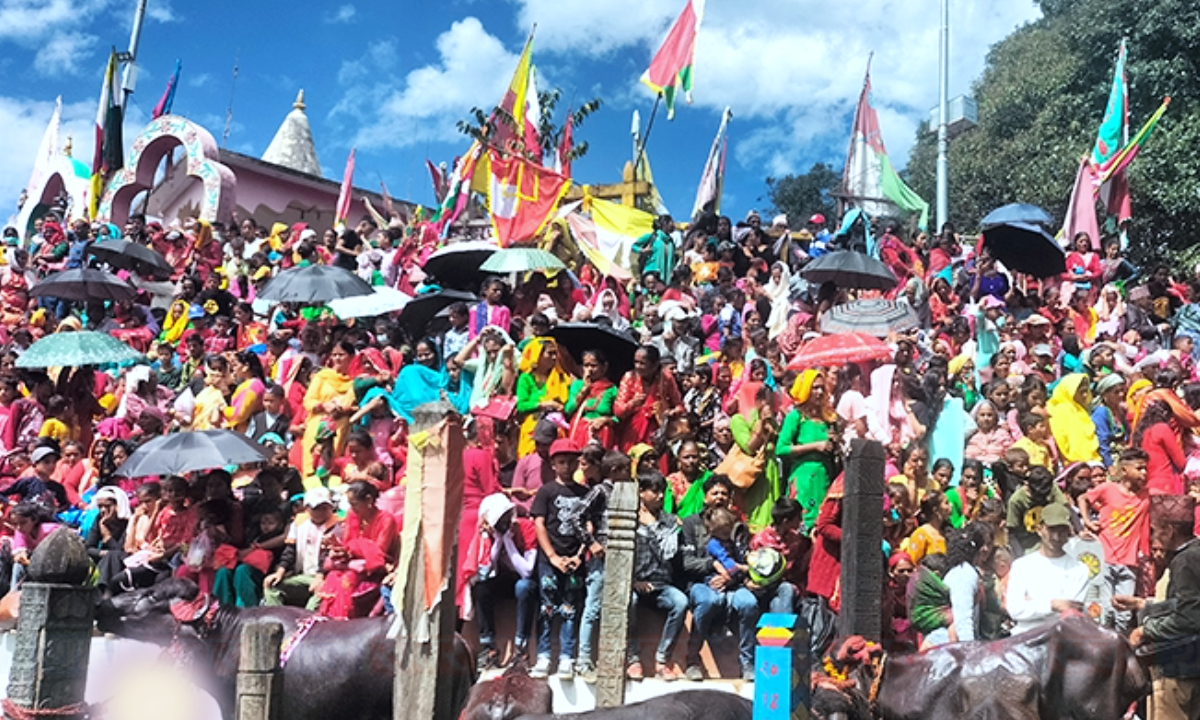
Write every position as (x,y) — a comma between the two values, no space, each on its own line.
(655,569)
(713,596)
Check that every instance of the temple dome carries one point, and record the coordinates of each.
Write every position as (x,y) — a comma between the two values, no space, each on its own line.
(292,147)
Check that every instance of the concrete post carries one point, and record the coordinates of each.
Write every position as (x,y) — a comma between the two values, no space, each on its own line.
(862,542)
(423,685)
(618,589)
(259,679)
(54,631)
(782,668)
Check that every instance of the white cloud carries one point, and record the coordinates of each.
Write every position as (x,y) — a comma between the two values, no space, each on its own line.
(62,53)
(344,14)
(198,81)
(472,70)
(796,65)
(53,29)
(161,11)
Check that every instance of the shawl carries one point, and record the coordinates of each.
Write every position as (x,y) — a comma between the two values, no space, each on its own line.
(174,325)
(558,383)
(274,241)
(929,601)
(885,412)
(1070,422)
(780,296)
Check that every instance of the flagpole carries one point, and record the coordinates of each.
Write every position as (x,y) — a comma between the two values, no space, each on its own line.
(943,134)
(637,159)
(129,79)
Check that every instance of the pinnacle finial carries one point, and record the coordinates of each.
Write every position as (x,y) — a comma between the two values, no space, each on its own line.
(299,104)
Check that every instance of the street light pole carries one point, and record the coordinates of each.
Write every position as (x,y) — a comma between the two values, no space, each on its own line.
(129,79)
(943,180)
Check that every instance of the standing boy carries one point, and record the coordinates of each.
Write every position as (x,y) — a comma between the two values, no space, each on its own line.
(1123,508)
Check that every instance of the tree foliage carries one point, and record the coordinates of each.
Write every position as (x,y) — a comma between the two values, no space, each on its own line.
(802,196)
(1041,99)
(482,127)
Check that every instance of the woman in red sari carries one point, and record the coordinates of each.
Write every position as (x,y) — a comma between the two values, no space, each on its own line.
(647,397)
(357,564)
(590,407)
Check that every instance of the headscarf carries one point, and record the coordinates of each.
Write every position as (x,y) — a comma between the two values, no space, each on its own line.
(1071,423)
(1133,399)
(802,389)
(1108,382)
(118,496)
(204,233)
(957,364)
(274,241)
(557,382)
(746,395)
(884,411)
(173,327)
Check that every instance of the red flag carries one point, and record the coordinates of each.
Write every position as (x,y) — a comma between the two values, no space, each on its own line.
(565,143)
(671,69)
(343,203)
(1115,196)
(168,97)
(1081,211)
(521,197)
(439,181)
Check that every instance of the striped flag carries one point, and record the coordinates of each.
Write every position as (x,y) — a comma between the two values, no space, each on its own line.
(108,152)
(708,194)
(671,69)
(168,97)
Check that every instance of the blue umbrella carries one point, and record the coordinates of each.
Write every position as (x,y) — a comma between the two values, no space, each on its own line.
(1016,213)
(1025,248)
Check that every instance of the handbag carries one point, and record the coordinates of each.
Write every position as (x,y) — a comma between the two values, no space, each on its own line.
(742,468)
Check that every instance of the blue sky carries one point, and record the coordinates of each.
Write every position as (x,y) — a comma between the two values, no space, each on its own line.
(391,78)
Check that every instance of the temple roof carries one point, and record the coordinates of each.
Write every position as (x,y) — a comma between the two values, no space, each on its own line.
(292,146)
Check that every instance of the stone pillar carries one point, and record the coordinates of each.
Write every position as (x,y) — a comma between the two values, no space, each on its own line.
(782,668)
(54,630)
(424,625)
(862,542)
(618,589)
(259,681)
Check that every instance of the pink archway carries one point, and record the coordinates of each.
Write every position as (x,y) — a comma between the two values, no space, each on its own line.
(158,139)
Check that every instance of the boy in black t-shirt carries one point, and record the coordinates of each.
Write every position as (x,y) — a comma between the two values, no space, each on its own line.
(560,569)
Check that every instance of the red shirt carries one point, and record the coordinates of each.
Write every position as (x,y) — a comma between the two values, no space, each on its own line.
(1124,522)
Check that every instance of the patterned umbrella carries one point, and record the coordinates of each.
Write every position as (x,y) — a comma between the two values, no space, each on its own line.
(521,259)
(875,317)
(184,452)
(840,349)
(84,284)
(316,284)
(73,349)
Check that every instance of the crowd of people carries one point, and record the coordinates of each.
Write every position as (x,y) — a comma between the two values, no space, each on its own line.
(1035,431)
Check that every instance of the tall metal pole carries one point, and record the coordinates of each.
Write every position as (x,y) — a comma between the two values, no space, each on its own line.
(943,180)
(129,79)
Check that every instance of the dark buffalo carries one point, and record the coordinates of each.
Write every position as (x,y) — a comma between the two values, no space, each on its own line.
(1068,670)
(509,696)
(685,705)
(338,669)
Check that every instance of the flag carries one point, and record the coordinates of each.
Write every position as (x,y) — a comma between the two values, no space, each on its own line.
(458,189)
(869,181)
(1121,159)
(1081,210)
(533,117)
(521,197)
(439,181)
(562,160)
(46,151)
(1114,127)
(108,150)
(344,195)
(671,69)
(514,102)
(168,98)
(708,194)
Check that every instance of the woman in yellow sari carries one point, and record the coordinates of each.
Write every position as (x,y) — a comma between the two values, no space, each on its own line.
(330,398)
(175,323)
(210,402)
(247,398)
(542,387)
(1070,421)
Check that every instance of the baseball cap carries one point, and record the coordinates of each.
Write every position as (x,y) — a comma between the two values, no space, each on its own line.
(564,447)
(42,453)
(1042,349)
(991,301)
(1056,515)
(317,497)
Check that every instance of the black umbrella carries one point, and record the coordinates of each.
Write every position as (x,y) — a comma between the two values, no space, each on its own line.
(84,284)
(456,266)
(422,309)
(848,269)
(184,452)
(1025,248)
(618,347)
(317,284)
(133,257)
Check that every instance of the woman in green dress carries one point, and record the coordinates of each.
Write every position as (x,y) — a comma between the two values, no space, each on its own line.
(590,405)
(806,443)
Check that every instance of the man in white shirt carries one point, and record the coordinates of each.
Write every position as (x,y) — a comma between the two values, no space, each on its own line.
(1042,585)
(299,572)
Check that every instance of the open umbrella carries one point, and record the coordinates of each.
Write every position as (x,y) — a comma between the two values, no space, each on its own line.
(521,259)
(618,347)
(840,349)
(84,284)
(184,452)
(73,349)
(316,284)
(848,269)
(457,266)
(133,257)
(1016,213)
(874,317)
(382,301)
(1025,248)
(421,310)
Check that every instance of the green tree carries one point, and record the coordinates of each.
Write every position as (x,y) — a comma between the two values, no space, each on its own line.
(1041,98)
(482,127)
(802,196)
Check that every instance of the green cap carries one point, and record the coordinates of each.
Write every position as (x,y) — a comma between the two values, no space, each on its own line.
(1056,515)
